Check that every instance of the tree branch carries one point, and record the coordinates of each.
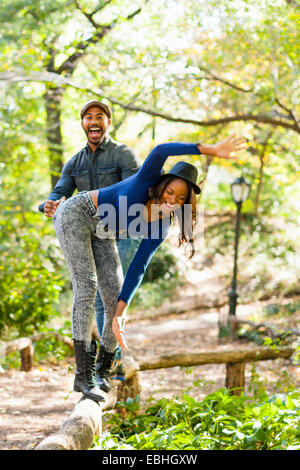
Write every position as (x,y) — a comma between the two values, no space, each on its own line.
(70,63)
(89,16)
(55,78)
(226,82)
(290,113)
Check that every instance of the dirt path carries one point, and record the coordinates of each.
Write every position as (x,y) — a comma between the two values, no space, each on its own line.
(35,404)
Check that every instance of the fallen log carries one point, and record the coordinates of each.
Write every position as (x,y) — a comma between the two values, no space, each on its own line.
(214,357)
(77,433)
(85,421)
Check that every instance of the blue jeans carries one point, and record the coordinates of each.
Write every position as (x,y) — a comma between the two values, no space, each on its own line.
(127,248)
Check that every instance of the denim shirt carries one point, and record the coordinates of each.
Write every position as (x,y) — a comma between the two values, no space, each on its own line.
(110,163)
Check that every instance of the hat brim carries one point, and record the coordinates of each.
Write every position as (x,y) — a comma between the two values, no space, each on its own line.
(196,188)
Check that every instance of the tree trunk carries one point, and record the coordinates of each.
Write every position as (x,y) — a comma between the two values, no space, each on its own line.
(53,98)
(260,183)
(24,345)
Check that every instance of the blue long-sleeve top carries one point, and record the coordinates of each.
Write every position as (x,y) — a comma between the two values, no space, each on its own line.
(135,191)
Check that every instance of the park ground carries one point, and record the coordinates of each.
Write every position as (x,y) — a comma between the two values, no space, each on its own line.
(35,404)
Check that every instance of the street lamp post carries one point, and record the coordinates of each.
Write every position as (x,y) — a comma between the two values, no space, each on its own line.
(240,189)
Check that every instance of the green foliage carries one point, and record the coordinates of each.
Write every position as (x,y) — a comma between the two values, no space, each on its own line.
(50,347)
(160,281)
(28,281)
(162,266)
(221,421)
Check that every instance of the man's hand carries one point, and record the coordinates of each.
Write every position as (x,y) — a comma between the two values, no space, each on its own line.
(118,324)
(51,206)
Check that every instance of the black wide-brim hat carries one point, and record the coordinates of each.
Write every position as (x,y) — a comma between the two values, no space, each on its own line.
(187,172)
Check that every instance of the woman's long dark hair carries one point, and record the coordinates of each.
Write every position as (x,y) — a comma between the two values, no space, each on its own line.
(186,234)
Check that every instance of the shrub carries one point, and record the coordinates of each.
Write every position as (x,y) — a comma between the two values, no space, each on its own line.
(221,421)
(29,282)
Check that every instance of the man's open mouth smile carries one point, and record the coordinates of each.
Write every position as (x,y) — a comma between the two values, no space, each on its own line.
(95,132)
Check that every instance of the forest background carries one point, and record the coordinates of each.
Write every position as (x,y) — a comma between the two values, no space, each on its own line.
(172,70)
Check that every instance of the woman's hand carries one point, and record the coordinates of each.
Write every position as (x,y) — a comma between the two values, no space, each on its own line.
(118,324)
(232,144)
(51,206)
(225,148)
(119,330)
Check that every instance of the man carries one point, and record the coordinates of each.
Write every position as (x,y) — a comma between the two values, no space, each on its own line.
(102,162)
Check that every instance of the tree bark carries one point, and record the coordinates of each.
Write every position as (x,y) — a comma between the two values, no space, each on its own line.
(27,358)
(53,98)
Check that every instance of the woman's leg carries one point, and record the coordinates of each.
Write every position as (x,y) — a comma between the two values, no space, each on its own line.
(74,224)
(110,280)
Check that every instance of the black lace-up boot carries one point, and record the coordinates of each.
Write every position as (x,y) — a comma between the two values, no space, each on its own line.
(105,361)
(85,380)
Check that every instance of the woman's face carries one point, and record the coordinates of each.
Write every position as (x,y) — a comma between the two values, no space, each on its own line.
(174,195)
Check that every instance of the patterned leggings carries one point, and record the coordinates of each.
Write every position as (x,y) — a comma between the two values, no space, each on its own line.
(91,255)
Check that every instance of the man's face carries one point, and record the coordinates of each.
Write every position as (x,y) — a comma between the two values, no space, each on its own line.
(95,124)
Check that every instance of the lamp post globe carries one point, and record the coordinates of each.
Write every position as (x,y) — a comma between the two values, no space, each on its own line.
(240,190)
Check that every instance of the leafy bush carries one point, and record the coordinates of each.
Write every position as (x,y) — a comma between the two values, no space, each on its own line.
(160,281)
(221,421)
(29,282)
(162,266)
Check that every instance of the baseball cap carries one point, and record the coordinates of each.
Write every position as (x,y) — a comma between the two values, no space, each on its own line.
(100,105)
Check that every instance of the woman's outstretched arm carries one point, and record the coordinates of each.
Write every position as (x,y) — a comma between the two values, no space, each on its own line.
(225,148)
(158,156)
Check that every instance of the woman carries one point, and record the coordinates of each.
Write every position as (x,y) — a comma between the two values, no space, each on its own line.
(86,225)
